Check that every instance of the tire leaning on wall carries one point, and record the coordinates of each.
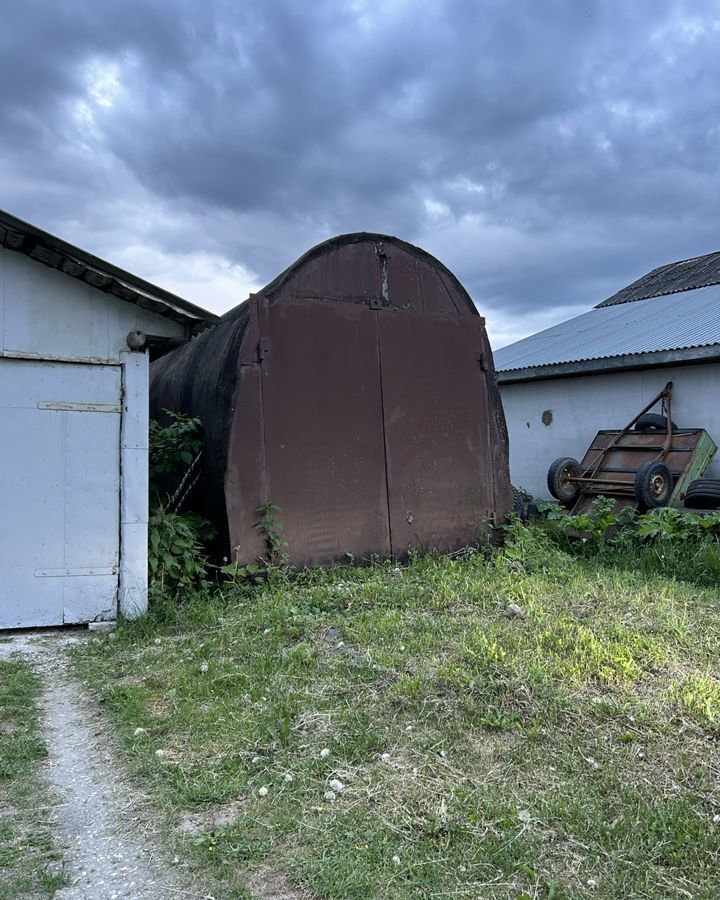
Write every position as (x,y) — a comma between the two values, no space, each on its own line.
(558,479)
(703,493)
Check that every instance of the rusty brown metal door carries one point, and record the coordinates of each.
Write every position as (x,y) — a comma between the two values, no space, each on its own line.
(322,411)
(375,428)
(439,462)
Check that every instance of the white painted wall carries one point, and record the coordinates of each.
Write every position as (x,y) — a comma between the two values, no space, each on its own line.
(583,405)
(49,315)
(46,314)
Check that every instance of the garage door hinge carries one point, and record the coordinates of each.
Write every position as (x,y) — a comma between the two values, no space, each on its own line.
(263,348)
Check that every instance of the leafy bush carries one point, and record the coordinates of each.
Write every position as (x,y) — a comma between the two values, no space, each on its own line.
(665,541)
(173,448)
(177,561)
(594,527)
(178,566)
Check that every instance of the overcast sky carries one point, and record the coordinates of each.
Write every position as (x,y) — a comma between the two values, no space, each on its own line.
(547,152)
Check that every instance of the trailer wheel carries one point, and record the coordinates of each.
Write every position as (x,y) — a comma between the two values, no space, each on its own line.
(558,479)
(653,422)
(653,484)
(703,493)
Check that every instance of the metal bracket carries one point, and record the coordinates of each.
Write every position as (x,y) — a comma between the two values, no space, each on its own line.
(263,348)
(482,359)
(75,573)
(63,406)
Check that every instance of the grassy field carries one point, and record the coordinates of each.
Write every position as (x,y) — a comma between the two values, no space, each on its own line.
(517,724)
(29,862)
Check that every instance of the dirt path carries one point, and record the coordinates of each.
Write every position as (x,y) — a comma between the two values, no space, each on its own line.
(110,842)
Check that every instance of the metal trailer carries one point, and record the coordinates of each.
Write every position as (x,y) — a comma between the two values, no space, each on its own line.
(357,393)
(645,469)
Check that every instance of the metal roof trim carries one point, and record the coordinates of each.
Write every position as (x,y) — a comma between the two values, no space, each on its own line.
(680,275)
(656,324)
(52,251)
(681,290)
(602,366)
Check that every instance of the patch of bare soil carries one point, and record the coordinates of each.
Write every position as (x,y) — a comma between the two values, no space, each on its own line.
(7,809)
(212,819)
(269,884)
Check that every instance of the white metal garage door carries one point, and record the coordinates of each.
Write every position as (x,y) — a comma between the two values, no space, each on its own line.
(59,486)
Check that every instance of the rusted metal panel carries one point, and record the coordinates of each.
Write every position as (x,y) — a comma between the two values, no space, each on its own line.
(622,461)
(347,272)
(440,467)
(403,282)
(435,296)
(323,430)
(348,268)
(245,486)
(328,381)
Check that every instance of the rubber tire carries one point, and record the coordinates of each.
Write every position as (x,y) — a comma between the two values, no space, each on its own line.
(703,493)
(565,493)
(702,484)
(525,510)
(702,501)
(653,422)
(644,494)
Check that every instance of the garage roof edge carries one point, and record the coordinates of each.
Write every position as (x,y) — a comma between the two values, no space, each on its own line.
(52,251)
(607,365)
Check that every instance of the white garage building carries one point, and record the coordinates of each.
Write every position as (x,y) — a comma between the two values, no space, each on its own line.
(74,339)
(598,370)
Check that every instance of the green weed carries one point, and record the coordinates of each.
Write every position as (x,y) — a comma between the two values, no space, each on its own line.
(29,862)
(564,750)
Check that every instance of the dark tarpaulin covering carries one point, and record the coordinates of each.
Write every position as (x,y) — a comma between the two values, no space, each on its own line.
(198,379)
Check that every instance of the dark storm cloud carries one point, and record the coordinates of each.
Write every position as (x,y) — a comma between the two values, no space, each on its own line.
(547,152)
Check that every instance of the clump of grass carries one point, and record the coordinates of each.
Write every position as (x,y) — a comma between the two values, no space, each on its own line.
(29,862)
(564,750)
(698,693)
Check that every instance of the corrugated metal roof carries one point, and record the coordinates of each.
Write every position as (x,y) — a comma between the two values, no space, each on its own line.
(683,275)
(674,322)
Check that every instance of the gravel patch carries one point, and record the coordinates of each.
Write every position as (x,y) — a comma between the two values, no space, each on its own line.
(109,836)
